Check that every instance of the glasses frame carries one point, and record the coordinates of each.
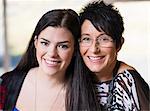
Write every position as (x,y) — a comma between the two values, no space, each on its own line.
(102,40)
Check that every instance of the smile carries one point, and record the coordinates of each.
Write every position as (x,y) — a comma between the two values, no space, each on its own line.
(52,62)
(96,58)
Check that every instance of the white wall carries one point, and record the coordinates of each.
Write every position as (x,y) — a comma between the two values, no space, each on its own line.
(135,50)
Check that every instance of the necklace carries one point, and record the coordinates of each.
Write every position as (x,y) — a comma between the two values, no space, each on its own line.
(61,90)
(55,99)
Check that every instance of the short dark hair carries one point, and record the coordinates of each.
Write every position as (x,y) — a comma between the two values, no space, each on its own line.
(104,17)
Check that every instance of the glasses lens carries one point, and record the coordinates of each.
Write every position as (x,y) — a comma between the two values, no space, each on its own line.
(85,41)
(105,41)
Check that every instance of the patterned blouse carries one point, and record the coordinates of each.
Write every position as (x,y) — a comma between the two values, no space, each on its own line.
(120,94)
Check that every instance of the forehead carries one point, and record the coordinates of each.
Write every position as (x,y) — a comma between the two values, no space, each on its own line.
(88,28)
(56,33)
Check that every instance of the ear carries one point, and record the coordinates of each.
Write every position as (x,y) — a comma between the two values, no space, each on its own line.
(122,41)
(35,41)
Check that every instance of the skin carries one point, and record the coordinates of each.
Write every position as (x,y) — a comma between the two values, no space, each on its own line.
(100,60)
(54,51)
(46,83)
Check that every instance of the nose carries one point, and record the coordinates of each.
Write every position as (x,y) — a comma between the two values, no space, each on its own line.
(95,47)
(52,51)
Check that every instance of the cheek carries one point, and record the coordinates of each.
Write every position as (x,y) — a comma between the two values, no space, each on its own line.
(39,53)
(112,54)
(82,51)
(66,56)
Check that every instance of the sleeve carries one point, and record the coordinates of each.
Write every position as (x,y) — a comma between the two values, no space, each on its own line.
(124,92)
(4,80)
(2,94)
(143,91)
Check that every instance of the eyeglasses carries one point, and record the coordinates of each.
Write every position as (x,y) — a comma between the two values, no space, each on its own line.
(103,41)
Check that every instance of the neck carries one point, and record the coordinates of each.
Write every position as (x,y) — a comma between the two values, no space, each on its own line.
(53,89)
(50,80)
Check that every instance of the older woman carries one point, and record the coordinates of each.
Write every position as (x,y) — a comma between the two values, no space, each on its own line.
(119,86)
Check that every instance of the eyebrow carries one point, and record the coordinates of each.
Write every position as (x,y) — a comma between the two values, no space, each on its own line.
(45,39)
(96,36)
(57,42)
(85,34)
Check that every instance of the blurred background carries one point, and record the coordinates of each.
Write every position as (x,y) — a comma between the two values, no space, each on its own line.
(18,19)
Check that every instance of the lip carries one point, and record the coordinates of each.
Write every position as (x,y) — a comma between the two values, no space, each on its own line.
(52,62)
(96,59)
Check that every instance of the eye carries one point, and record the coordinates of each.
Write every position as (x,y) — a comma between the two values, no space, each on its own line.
(44,43)
(105,38)
(63,46)
(85,39)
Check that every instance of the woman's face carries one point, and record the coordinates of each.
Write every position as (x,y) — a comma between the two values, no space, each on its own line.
(97,49)
(54,49)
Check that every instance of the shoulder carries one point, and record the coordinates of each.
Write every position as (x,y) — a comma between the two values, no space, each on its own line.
(133,81)
(11,77)
(127,76)
(125,73)
(130,72)
(9,87)
(4,81)
(124,66)
(6,77)
(129,81)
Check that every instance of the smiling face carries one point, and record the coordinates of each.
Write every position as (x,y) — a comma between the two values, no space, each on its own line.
(99,59)
(54,50)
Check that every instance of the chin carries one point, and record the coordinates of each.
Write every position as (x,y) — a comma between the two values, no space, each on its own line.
(49,71)
(94,67)
(95,70)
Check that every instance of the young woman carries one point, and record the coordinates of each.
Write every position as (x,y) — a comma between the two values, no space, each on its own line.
(119,86)
(42,79)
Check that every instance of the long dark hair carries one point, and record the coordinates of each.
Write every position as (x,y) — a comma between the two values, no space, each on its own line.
(82,94)
(56,18)
(66,18)
(80,91)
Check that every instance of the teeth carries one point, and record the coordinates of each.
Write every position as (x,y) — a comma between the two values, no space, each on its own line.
(52,62)
(95,58)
